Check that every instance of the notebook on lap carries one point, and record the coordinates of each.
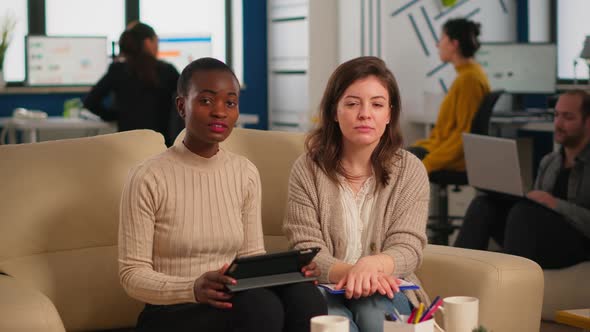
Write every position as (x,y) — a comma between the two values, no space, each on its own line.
(270,269)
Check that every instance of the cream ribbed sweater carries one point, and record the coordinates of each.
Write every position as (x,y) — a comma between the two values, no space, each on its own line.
(183,215)
(398,225)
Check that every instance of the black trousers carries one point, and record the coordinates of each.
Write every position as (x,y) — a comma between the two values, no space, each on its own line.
(523,228)
(286,308)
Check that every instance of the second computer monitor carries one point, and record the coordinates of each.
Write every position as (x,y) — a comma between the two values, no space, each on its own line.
(182,50)
(520,68)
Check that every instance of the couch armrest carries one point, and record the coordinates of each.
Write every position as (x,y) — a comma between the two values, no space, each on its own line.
(509,288)
(26,309)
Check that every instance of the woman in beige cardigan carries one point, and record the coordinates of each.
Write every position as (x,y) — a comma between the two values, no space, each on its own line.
(361,198)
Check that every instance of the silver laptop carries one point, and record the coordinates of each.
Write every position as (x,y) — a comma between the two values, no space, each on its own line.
(494,164)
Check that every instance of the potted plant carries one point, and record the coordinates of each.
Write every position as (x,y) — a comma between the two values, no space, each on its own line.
(7,26)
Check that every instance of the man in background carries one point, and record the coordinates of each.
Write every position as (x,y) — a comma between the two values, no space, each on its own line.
(556,232)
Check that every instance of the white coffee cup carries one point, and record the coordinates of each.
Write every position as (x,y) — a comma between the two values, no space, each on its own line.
(329,323)
(460,313)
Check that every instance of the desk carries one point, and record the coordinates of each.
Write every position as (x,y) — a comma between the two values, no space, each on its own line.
(31,127)
(532,122)
(247,119)
(536,123)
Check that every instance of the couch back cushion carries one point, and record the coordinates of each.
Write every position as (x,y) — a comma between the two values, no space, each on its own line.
(60,215)
(273,153)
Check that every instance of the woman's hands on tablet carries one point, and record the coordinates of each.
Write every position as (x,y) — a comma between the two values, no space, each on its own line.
(210,288)
(311,270)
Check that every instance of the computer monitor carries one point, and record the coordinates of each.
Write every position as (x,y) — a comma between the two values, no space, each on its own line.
(520,68)
(65,61)
(182,50)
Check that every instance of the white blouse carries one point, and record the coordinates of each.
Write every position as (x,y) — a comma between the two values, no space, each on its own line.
(356,218)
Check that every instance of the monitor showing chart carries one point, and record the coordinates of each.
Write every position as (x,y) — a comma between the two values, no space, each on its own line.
(57,60)
(181,50)
(520,68)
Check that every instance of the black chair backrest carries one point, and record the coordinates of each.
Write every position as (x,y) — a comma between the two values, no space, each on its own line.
(481,121)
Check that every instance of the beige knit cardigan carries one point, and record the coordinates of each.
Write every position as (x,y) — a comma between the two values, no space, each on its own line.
(314,217)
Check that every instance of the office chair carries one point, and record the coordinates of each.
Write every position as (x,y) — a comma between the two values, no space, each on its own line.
(442,227)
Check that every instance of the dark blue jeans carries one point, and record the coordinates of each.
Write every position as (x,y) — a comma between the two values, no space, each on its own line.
(367,313)
(523,228)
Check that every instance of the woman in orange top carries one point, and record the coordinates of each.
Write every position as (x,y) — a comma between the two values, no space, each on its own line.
(443,150)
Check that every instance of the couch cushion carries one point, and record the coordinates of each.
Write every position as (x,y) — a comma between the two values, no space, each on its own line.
(62,195)
(60,216)
(501,282)
(566,289)
(83,285)
(273,153)
(18,303)
(275,243)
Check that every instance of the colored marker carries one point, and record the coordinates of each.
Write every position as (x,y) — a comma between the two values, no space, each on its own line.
(412,315)
(433,310)
(429,308)
(419,313)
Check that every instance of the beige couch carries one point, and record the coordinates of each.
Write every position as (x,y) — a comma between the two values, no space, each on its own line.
(59,213)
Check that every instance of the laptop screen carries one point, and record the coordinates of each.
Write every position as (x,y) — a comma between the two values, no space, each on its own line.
(493,164)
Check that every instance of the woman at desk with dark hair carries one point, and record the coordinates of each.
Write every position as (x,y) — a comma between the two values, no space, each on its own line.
(443,150)
(143,87)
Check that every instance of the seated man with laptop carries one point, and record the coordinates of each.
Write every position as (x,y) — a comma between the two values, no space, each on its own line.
(551,224)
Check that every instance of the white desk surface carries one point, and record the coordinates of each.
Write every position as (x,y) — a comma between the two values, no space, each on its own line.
(30,127)
(25,90)
(534,123)
(54,122)
(58,122)
(247,119)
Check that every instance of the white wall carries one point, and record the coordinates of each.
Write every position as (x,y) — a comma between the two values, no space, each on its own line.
(302,53)
(539,21)
(349,29)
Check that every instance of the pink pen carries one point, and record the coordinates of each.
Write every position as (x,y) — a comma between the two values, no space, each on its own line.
(429,307)
(411,318)
(432,310)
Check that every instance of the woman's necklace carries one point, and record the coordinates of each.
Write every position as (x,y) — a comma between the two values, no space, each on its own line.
(355,182)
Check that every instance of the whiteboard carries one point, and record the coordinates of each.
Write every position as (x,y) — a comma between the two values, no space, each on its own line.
(57,60)
(519,68)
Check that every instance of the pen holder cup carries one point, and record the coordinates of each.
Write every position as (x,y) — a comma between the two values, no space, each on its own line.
(425,326)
